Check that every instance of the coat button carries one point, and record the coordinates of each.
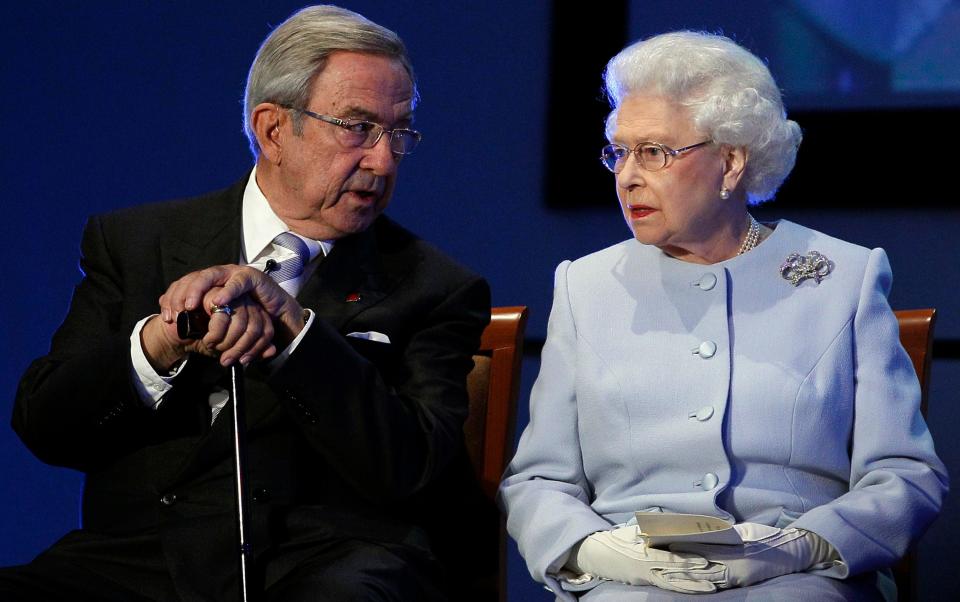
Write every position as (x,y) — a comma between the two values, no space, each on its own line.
(168,499)
(706,350)
(703,414)
(706,282)
(261,494)
(708,482)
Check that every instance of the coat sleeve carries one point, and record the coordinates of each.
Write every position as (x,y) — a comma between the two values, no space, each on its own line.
(545,493)
(389,428)
(897,482)
(76,406)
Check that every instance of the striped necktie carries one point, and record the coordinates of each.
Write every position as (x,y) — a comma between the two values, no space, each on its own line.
(287,273)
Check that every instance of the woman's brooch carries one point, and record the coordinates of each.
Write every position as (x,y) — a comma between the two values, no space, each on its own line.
(798,268)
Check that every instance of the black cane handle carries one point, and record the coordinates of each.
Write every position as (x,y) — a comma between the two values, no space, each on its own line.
(192,324)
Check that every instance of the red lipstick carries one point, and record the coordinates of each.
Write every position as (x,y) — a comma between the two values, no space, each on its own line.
(640,211)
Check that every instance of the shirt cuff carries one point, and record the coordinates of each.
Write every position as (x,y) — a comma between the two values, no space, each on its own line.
(150,386)
(281,359)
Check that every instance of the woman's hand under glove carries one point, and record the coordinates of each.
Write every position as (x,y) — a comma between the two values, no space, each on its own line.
(767,552)
(621,555)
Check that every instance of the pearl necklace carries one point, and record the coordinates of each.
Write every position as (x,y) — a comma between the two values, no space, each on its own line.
(753,236)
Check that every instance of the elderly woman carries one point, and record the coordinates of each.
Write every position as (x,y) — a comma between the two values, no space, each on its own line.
(717,366)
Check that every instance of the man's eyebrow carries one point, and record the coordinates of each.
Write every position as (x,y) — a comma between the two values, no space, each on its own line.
(359,113)
(355,112)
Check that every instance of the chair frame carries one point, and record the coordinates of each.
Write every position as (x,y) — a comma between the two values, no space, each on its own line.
(916,336)
(501,347)
(502,342)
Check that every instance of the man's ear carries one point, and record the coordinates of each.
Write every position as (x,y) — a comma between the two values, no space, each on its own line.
(268,120)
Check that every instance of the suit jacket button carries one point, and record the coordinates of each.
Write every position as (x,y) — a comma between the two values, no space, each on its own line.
(168,499)
(706,349)
(261,494)
(707,282)
(703,414)
(708,482)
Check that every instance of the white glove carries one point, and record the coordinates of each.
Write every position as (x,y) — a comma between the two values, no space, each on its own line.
(621,555)
(767,552)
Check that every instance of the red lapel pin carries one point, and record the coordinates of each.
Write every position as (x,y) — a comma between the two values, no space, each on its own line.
(352,298)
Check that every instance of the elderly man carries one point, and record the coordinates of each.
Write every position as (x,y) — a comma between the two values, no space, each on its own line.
(357,335)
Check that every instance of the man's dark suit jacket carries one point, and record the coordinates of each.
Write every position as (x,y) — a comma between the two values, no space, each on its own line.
(349,439)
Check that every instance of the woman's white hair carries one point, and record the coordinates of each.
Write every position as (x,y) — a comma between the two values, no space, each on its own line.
(729,92)
(296,52)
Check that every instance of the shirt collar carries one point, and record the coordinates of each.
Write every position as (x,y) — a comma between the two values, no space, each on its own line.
(261,224)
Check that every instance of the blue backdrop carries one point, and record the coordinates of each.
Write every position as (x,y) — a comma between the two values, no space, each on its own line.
(109,104)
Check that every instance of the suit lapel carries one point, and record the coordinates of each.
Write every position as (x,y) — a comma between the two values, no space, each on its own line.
(353,278)
(209,234)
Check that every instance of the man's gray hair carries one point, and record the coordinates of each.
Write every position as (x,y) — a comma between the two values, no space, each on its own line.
(729,92)
(297,51)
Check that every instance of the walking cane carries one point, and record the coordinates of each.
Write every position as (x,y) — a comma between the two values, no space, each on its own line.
(193,325)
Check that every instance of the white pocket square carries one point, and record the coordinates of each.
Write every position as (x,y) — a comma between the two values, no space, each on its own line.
(377,337)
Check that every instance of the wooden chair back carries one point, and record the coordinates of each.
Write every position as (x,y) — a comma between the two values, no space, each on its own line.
(916,336)
(493,386)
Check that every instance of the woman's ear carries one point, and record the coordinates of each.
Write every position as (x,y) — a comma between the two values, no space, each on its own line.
(734,164)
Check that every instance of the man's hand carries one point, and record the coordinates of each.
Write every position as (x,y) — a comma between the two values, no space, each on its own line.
(244,336)
(264,317)
(284,308)
(190,291)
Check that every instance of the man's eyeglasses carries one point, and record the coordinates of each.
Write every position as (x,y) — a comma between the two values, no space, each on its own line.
(358,133)
(651,156)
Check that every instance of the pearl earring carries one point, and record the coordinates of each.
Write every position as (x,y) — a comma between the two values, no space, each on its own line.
(724,194)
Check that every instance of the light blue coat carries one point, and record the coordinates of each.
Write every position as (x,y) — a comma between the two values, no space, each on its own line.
(725,390)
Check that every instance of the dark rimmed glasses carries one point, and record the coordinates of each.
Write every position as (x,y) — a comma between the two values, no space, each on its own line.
(651,156)
(359,133)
